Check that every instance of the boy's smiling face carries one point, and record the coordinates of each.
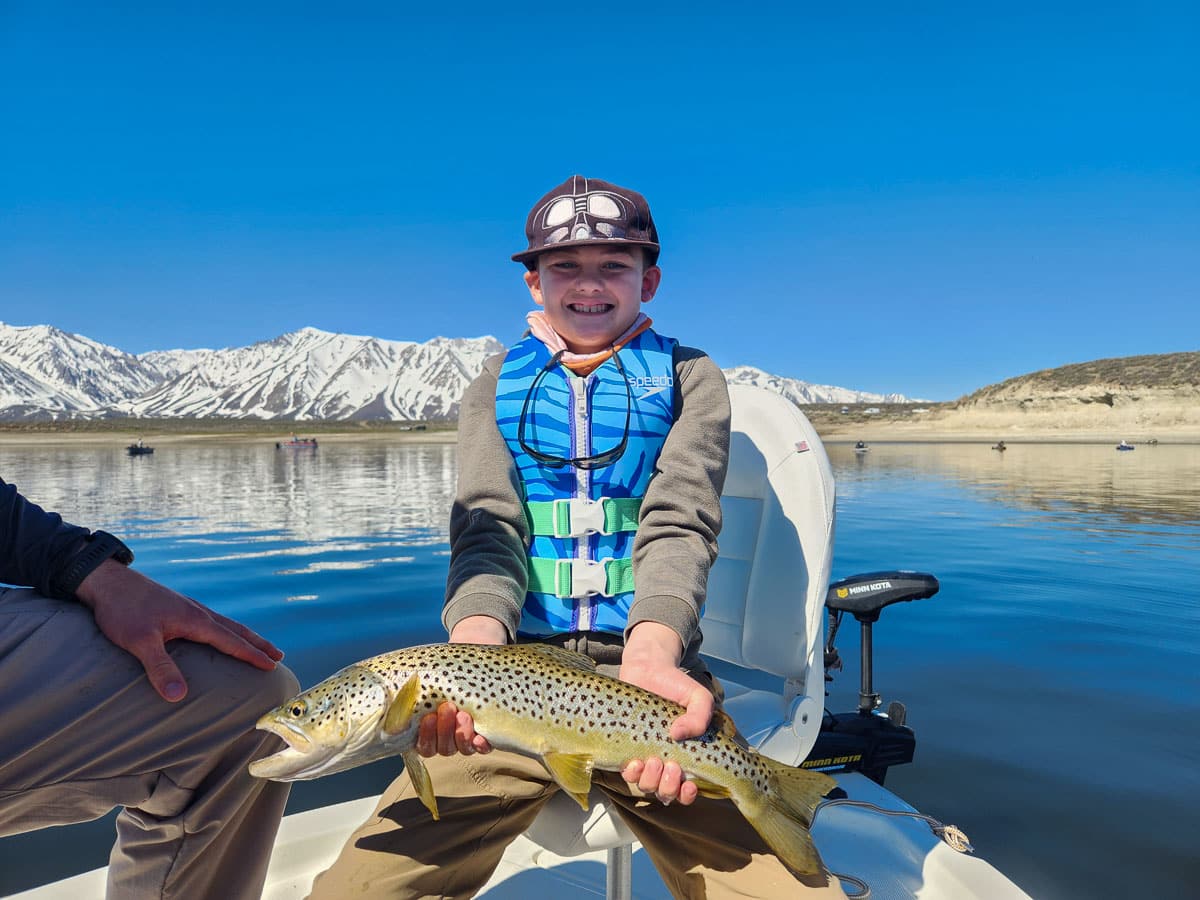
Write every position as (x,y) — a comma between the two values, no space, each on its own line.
(592,293)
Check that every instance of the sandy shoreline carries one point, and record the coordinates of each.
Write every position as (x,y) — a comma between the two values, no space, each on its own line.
(124,438)
(877,432)
(1177,422)
(904,433)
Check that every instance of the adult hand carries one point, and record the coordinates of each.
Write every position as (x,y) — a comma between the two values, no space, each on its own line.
(140,615)
(449,730)
(651,661)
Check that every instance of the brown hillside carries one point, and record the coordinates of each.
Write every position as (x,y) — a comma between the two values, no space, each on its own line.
(1135,397)
(1103,379)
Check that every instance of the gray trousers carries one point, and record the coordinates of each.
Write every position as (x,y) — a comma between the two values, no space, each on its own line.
(84,732)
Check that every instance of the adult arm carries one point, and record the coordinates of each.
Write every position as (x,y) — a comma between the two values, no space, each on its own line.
(35,545)
(39,550)
(140,615)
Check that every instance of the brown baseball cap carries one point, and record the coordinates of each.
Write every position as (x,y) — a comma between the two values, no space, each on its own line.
(588,211)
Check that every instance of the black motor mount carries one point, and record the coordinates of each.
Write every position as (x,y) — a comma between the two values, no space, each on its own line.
(865,741)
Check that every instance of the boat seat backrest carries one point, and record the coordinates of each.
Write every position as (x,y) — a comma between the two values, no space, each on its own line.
(766,591)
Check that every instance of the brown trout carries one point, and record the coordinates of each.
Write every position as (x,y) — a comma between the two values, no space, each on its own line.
(540,701)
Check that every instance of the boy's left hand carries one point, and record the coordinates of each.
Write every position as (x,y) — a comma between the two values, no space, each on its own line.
(651,661)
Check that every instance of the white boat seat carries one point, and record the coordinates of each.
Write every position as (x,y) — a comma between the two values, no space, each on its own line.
(765,607)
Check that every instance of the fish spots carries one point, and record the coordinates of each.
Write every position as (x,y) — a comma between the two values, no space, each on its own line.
(525,694)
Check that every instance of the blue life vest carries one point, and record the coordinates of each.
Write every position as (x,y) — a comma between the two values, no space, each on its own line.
(584,582)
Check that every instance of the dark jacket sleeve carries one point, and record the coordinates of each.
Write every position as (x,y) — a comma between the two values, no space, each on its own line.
(34,544)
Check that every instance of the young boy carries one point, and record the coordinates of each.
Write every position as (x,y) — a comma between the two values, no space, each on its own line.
(591,460)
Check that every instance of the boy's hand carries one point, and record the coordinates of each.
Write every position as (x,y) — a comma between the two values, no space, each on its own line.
(449,730)
(479,630)
(651,661)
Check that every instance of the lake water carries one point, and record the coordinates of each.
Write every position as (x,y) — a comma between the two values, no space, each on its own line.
(1052,683)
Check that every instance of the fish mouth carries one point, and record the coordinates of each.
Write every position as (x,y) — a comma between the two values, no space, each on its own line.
(293,761)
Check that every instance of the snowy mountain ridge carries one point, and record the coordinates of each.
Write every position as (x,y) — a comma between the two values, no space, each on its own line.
(305,375)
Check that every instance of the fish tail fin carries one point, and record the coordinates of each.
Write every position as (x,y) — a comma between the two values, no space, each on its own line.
(783,814)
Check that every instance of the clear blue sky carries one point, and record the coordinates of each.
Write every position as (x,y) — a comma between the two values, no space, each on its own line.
(916,197)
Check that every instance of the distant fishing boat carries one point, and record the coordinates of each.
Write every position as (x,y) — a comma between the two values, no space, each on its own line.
(999,445)
(1125,445)
(138,449)
(297,443)
(861,447)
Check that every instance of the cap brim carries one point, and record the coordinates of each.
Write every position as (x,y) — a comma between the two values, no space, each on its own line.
(527,255)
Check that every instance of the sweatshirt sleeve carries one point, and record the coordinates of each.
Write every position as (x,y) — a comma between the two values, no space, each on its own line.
(34,544)
(676,540)
(488,531)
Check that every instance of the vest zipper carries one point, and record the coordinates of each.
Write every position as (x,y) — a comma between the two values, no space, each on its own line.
(584,608)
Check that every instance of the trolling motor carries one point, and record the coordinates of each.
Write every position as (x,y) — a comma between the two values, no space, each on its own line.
(865,741)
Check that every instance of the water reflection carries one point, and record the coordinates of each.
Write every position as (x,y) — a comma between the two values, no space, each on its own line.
(256,493)
(197,489)
(1153,484)
(1067,576)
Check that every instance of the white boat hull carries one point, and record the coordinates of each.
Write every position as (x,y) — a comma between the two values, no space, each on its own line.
(897,857)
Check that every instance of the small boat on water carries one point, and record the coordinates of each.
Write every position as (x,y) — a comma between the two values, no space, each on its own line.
(295,443)
(139,449)
(999,445)
(1125,445)
(861,447)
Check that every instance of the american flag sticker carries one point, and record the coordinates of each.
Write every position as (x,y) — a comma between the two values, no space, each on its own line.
(801,446)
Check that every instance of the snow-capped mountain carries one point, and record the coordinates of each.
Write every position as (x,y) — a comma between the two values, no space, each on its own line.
(304,375)
(801,392)
(45,370)
(311,374)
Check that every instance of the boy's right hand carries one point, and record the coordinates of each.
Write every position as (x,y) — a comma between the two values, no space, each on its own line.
(449,730)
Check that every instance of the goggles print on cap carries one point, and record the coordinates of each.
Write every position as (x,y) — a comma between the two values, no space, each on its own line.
(588,211)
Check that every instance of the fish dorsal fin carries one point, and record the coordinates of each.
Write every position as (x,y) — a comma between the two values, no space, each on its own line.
(573,772)
(400,711)
(419,776)
(562,656)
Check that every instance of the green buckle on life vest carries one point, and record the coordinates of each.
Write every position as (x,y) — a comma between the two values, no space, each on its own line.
(575,517)
(578,578)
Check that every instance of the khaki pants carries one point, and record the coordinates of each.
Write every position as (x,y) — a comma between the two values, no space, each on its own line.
(84,733)
(705,850)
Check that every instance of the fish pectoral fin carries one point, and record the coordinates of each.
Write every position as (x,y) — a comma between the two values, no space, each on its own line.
(404,704)
(711,790)
(419,776)
(573,772)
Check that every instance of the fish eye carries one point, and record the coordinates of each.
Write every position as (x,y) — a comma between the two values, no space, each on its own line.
(298,709)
